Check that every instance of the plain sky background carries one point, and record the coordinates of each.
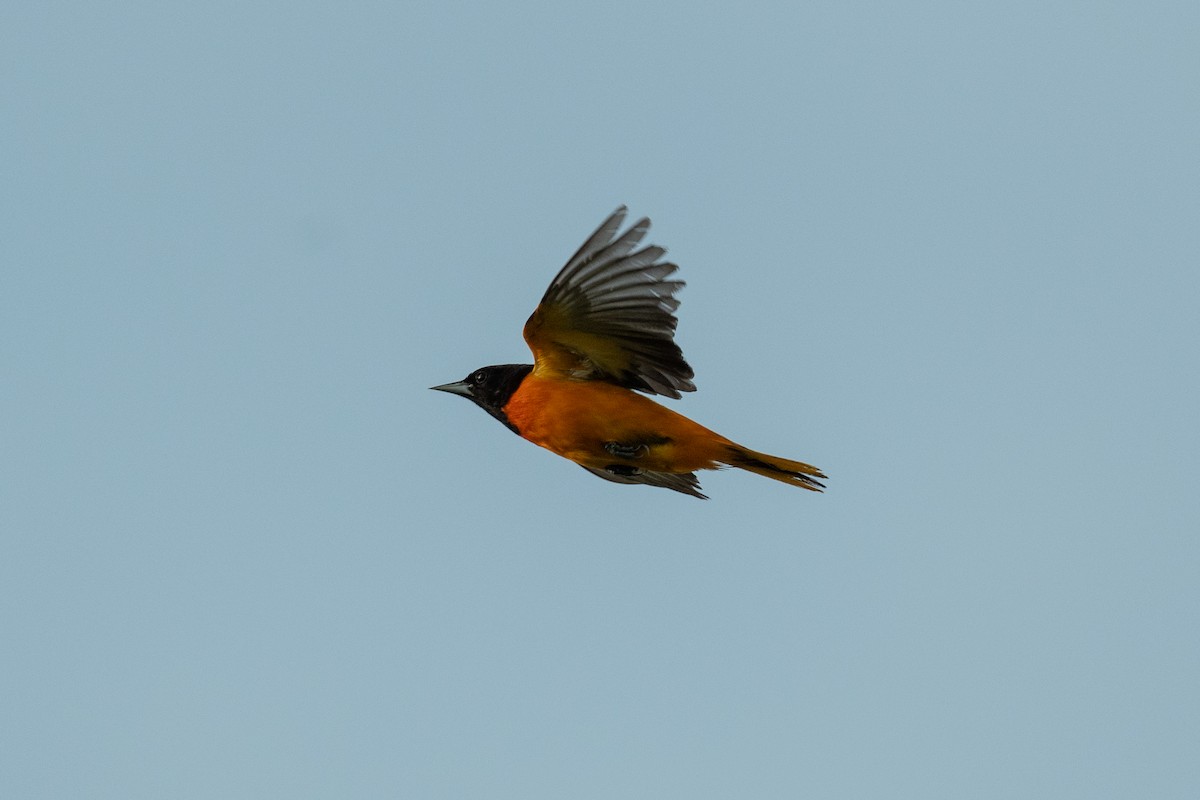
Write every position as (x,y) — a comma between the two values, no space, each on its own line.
(946,251)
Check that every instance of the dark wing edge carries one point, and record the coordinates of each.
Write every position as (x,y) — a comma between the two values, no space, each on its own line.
(685,482)
(612,290)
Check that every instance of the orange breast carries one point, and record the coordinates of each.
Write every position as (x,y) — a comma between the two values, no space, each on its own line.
(576,418)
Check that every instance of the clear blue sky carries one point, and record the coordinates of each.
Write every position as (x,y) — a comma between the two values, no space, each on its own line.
(947,252)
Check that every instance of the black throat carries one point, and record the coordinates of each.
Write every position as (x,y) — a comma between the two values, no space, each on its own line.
(493,387)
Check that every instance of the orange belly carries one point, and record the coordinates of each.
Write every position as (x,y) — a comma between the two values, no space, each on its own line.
(575,419)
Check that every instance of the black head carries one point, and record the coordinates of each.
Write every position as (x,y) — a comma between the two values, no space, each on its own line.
(490,388)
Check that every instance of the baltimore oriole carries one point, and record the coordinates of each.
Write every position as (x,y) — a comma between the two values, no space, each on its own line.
(604,331)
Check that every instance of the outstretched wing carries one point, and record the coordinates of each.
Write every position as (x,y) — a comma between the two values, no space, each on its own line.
(609,315)
(684,482)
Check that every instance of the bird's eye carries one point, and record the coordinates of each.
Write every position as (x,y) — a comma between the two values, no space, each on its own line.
(476,378)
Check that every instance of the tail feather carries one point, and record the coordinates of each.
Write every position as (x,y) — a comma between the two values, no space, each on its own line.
(795,473)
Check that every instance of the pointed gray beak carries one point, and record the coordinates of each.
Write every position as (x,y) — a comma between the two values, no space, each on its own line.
(458,387)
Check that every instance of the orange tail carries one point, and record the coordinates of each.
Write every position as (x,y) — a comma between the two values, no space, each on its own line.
(795,473)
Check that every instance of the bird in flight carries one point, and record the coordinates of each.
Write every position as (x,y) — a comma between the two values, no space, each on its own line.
(603,332)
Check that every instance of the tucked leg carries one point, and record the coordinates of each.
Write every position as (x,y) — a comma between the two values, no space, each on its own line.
(626,449)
